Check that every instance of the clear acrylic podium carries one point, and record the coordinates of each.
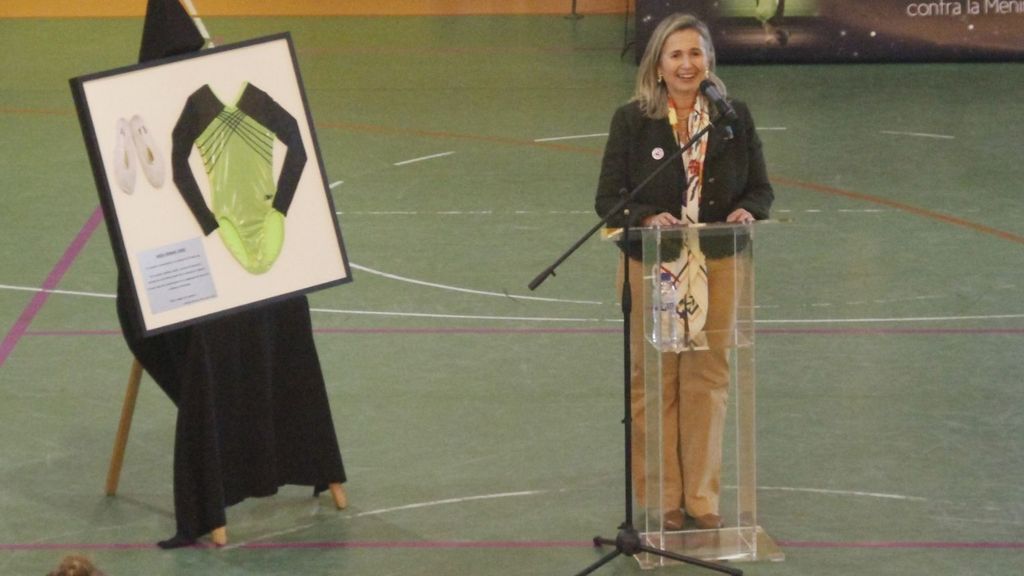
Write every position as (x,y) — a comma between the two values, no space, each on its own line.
(728,334)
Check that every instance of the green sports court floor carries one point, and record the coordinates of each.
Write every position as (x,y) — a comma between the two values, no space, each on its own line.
(480,421)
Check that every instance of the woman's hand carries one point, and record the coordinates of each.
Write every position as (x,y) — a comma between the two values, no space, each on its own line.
(662,219)
(740,216)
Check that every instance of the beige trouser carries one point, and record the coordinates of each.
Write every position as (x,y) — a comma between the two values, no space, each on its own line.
(695,390)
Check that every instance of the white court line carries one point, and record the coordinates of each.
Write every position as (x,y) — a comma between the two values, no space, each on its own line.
(379,511)
(919,134)
(466,290)
(548,319)
(845,493)
(422,158)
(447,501)
(772,128)
(336,184)
(557,138)
(65,292)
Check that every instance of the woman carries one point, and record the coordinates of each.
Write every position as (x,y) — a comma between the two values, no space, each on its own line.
(724,180)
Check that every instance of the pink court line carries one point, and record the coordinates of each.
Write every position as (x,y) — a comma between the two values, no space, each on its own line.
(876,331)
(466,330)
(425,544)
(52,280)
(764,331)
(73,333)
(509,545)
(42,546)
(883,544)
(316,545)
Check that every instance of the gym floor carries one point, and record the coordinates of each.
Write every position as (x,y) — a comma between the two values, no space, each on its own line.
(480,421)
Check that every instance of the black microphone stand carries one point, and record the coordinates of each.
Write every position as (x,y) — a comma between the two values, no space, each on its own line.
(627,542)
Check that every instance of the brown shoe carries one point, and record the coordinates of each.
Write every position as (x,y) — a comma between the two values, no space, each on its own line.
(672,520)
(708,522)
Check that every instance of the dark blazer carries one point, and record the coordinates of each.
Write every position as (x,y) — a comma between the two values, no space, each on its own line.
(734,169)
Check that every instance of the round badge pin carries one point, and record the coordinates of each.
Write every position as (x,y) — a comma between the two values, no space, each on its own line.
(657,153)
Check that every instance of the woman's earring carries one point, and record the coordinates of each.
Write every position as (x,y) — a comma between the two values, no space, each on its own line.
(660,79)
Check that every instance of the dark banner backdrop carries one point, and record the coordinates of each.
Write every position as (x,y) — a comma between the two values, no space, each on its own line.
(850,30)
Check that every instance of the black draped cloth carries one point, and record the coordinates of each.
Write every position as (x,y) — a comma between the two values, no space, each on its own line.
(253,413)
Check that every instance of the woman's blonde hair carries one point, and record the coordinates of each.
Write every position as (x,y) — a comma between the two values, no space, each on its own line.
(75,566)
(653,95)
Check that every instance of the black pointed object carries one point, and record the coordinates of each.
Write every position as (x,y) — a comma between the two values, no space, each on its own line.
(168,31)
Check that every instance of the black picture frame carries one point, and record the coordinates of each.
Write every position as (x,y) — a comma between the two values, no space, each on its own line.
(212,205)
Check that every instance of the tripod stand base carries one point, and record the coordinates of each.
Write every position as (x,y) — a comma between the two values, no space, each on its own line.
(629,543)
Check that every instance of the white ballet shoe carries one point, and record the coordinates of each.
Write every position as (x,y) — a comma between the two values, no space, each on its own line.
(149,154)
(124,158)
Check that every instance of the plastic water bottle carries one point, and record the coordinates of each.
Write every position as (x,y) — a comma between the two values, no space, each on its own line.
(666,332)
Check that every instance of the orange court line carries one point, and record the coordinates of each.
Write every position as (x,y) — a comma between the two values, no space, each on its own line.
(204,8)
(860,196)
(814,187)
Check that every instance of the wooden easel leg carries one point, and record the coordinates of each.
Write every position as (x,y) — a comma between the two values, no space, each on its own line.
(220,536)
(121,441)
(338,493)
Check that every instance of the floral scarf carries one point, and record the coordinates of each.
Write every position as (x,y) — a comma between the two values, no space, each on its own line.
(690,270)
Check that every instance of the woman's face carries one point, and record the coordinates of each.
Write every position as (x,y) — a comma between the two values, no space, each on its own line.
(683,63)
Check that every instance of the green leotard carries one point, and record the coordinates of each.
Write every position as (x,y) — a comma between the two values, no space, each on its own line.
(236,144)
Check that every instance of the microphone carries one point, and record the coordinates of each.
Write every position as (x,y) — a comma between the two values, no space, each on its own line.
(725,110)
